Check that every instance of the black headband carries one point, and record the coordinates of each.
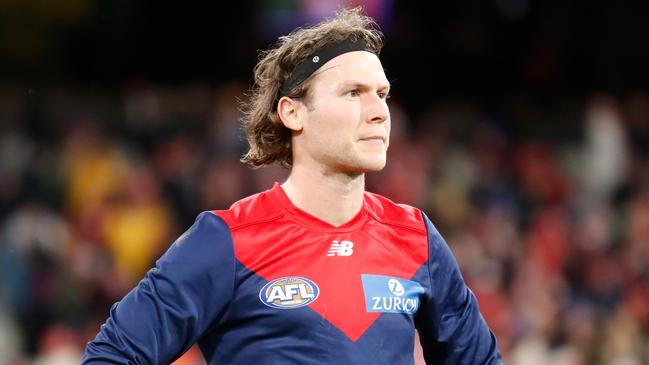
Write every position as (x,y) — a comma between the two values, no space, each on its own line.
(318,58)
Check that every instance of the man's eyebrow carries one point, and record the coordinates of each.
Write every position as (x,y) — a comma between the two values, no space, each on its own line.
(363,85)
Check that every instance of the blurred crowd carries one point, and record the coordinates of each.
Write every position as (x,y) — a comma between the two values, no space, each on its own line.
(545,205)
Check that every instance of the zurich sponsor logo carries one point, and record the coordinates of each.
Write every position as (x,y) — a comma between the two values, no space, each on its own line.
(396,287)
(388,294)
(289,292)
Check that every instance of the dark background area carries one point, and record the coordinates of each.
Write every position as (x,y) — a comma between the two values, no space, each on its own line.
(465,48)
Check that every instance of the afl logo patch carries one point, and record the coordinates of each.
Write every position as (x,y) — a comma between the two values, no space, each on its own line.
(289,292)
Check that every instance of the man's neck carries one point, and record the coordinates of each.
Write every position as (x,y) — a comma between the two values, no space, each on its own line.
(333,198)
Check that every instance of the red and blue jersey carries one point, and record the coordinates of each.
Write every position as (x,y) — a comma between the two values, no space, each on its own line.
(266,283)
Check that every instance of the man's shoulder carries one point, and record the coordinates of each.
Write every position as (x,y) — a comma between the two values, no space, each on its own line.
(389,212)
(250,210)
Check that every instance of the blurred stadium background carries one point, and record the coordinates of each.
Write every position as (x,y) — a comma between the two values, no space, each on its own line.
(520,126)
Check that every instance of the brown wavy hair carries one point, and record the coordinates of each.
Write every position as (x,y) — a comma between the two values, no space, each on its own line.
(268,138)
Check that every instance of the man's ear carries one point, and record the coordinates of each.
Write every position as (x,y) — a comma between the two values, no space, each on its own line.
(290,113)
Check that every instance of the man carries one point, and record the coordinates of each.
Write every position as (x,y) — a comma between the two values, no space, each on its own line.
(316,270)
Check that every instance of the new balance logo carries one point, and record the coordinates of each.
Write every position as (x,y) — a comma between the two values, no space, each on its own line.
(341,248)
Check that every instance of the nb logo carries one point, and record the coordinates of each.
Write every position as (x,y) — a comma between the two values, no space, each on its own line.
(341,248)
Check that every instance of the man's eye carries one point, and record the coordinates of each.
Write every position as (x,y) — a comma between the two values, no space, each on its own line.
(353,93)
(383,95)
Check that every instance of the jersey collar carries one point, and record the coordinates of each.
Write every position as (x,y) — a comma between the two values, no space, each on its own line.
(305,219)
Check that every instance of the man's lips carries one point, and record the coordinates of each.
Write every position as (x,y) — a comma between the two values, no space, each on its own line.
(374,139)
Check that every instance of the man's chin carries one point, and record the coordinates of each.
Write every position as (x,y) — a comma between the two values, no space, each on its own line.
(375,166)
(367,168)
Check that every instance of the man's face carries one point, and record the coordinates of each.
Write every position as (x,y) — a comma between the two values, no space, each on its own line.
(346,124)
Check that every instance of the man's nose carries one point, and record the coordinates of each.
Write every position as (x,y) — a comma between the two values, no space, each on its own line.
(376,110)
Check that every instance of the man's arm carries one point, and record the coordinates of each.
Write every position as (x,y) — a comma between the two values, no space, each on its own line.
(188,291)
(449,322)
